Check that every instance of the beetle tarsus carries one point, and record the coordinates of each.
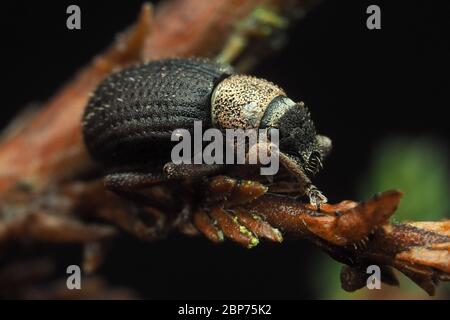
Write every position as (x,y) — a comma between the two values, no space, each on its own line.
(316,197)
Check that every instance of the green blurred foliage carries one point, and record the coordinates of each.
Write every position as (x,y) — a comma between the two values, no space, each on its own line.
(416,166)
(419,168)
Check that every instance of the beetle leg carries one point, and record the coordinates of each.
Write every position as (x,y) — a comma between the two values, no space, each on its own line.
(130,181)
(315,196)
(190,171)
(130,186)
(292,166)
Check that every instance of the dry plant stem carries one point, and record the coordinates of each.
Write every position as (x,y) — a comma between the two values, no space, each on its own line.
(341,224)
(258,226)
(204,224)
(44,227)
(359,235)
(356,234)
(232,229)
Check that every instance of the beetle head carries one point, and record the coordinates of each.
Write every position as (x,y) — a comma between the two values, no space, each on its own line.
(298,136)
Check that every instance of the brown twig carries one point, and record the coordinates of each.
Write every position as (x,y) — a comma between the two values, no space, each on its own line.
(358,235)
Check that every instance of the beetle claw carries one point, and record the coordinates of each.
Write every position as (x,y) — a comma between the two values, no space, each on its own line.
(316,197)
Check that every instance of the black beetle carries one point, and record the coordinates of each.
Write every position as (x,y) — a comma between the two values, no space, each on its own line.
(129,120)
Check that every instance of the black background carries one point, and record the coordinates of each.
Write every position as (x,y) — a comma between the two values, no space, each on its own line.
(361,86)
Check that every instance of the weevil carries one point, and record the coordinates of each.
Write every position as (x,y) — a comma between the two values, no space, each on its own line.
(129,120)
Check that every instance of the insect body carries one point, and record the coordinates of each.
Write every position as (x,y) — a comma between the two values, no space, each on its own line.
(129,120)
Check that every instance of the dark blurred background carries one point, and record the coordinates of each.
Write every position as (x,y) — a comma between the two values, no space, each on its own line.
(381,95)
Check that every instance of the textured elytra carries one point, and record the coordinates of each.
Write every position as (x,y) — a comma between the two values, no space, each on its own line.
(130,117)
(240,101)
